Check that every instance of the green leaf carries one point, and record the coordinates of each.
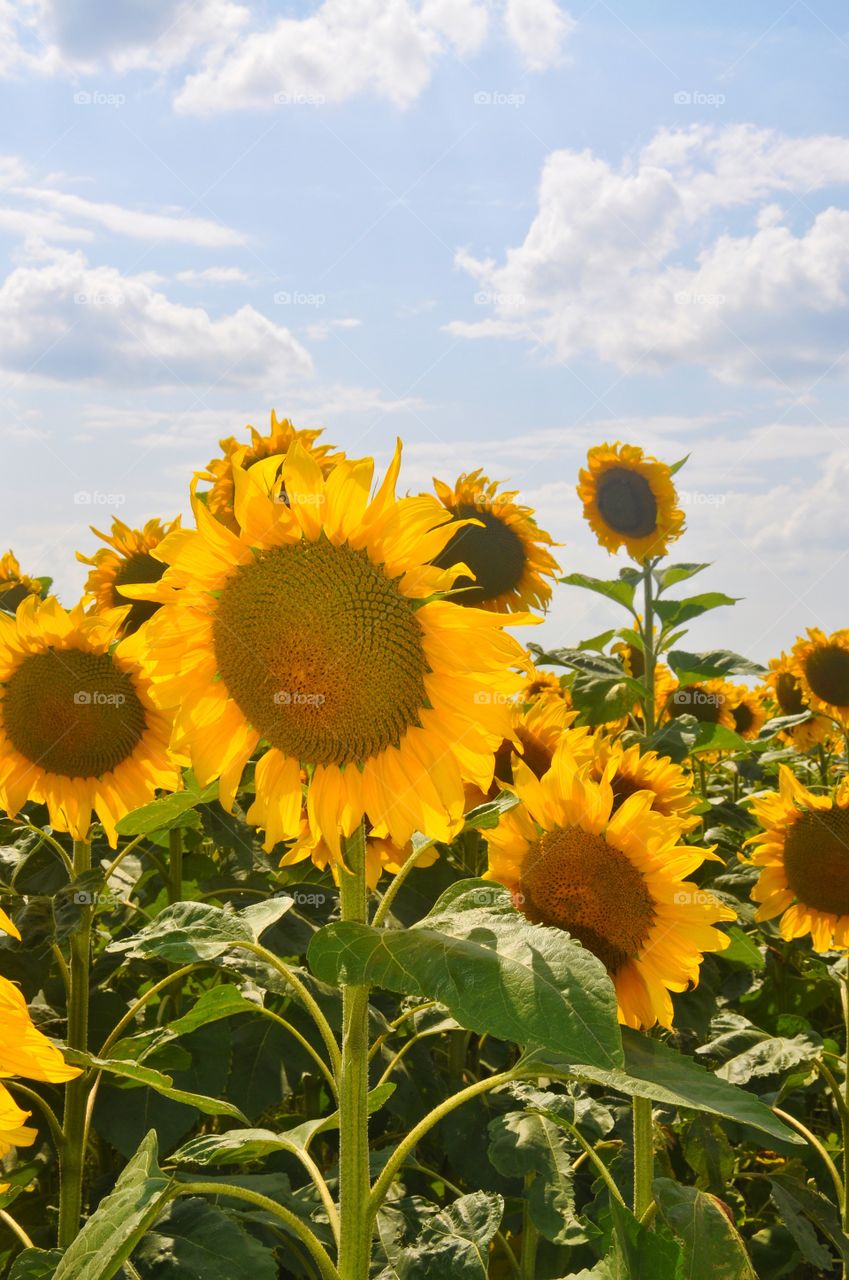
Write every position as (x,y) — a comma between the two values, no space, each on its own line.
(212,1005)
(713,1249)
(743,950)
(654,1070)
(139,1075)
(690,668)
(35,1264)
(675,467)
(423,1242)
(486,816)
(715,737)
(795,1198)
(640,1252)
(618,590)
(120,1220)
(196,1238)
(676,573)
(674,613)
(493,970)
(191,931)
(529,1142)
(772,1057)
(602,699)
(168,811)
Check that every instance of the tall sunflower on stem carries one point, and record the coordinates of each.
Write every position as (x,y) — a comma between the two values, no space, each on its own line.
(127,560)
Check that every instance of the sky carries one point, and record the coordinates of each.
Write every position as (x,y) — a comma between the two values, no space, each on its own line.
(503,230)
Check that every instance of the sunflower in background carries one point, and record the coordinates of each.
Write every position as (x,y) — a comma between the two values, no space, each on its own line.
(822,665)
(630,501)
(14,585)
(747,709)
(803,853)
(281,436)
(317,635)
(78,729)
(542,684)
(126,560)
(710,701)
(634,664)
(382,854)
(629,770)
(504,548)
(784,687)
(613,878)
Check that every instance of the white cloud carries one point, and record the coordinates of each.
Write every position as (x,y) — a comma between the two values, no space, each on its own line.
(323,329)
(603,268)
(539,29)
(69,322)
(180,229)
(214,275)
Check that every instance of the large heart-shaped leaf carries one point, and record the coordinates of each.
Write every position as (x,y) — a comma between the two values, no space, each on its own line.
(191,931)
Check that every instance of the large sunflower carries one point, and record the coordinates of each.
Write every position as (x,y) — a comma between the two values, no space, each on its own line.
(126,560)
(78,729)
(783,685)
(822,664)
(630,501)
(316,633)
(504,548)
(14,585)
(803,851)
(613,879)
(281,436)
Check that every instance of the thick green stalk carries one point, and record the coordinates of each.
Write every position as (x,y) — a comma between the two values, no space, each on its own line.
(648,647)
(76,1092)
(355,1228)
(175,865)
(530,1235)
(643,1156)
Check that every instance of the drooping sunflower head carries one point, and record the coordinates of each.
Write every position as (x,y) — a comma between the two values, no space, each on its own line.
(748,711)
(822,665)
(316,634)
(803,853)
(78,729)
(614,878)
(630,501)
(280,437)
(710,701)
(127,560)
(14,585)
(502,545)
(783,687)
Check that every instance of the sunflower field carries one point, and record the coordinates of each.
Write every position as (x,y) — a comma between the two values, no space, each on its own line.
(349,933)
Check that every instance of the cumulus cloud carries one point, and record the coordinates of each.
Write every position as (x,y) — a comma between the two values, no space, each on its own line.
(64,320)
(604,269)
(539,29)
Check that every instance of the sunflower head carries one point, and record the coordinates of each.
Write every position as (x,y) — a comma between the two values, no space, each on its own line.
(278,439)
(127,560)
(629,770)
(614,878)
(803,855)
(78,728)
(382,854)
(14,585)
(747,709)
(710,701)
(783,687)
(630,501)
(317,634)
(545,684)
(539,728)
(503,547)
(822,666)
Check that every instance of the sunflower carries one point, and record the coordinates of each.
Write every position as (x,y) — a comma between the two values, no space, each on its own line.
(634,664)
(317,634)
(630,501)
(611,877)
(382,854)
(629,770)
(747,709)
(822,664)
(14,585)
(543,684)
(282,435)
(783,685)
(503,547)
(803,851)
(537,732)
(710,701)
(78,729)
(14,1131)
(24,1050)
(130,560)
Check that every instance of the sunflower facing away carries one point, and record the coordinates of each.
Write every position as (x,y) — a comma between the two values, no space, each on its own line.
(822,664)
(78,729)
(126,560)
(14,585)
(315,634)
(803,851)
(613,879)
(783,685)
(630,501)
(505,549)
(281,436)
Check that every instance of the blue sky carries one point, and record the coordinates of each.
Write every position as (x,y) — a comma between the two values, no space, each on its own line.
(503,231)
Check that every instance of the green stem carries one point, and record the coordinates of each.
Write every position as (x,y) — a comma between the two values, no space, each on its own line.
(648,646)
(16,1229)
(76,1091)
(297,1227)
(396,883)
(530,1235)
(354,1180)
(814,1142)
(643,1155)
(303,994)
(43,1106)
(175,866)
